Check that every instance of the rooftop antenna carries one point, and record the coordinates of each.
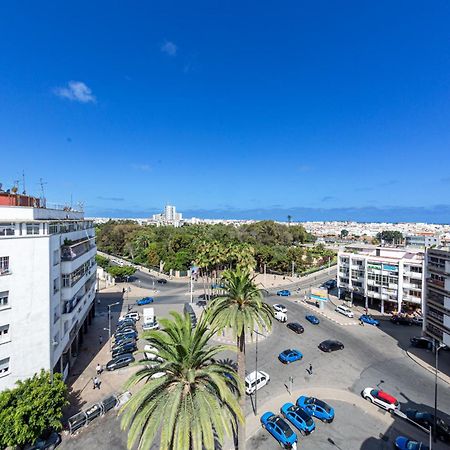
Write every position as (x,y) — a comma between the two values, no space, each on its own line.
(43,183)
(23,183)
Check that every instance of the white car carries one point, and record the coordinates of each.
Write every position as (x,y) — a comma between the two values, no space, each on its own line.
(344,310)
(132,315)
(381,399)
(280,308)
(151,353)
(254,382)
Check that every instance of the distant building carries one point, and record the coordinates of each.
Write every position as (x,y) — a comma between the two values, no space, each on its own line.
(392,278)
(47,286)
(168,217)
(424,240)
(437,300)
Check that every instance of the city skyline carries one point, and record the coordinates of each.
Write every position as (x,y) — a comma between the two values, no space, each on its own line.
(336,114)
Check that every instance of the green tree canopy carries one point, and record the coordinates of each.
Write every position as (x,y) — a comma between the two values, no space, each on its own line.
(121,271)
(31,409)
(194,402)
(390,237)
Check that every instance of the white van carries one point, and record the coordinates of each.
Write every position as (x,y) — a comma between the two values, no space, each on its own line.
(254,382)
(344,310)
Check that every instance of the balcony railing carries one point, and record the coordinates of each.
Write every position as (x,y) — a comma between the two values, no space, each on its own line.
(434,282)
(77,249)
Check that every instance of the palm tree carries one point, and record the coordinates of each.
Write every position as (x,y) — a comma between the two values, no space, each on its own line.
(194,403)
(289,218)
(243,310)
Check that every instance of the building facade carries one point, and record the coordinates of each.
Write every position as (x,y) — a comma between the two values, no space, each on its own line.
(389,278)
(47,288)
(168,217)
(424,240)
(437,304)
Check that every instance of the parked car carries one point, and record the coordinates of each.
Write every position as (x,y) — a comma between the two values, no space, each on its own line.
(290,355)
(330,284)
(284,293)
(417,320)
(280,316)
(300,418)
(128,347)
(123,342)
(202,303)
(403,443)
(119,338)
(120,361)
(279,429)
(134,315)
(126,321)
(401,320)
(426,419)
(421,342)
(295,327)
(365,318)
(46,443)
(145,301)
(331,346)
(280,308)
(341,309)
(316,408)
(161,281)
(381,399)
(313,319)
(151,353)
(254,382)
(124,330)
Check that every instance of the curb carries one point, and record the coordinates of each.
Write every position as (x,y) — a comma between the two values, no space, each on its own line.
(442,376)
(313,308)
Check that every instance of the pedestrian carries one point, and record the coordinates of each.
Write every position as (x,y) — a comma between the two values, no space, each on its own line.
(96,383)
(99,369)
(100,339)
(310,369)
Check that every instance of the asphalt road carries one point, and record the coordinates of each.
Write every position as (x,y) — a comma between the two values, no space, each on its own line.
(372,357)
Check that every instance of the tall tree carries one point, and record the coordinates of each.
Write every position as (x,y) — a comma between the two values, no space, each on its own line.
(194,401)
(242,310)
(289,218)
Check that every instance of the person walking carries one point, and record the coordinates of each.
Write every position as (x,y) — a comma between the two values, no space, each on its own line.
(310,369)
(99,369)
(96,383)
(100,339)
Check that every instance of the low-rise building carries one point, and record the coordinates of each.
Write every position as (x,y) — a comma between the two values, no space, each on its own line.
(391,278)
(47,286)
(437,303)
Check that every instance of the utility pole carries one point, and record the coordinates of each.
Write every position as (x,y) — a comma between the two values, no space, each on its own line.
(293,266)
(265,272)
(436,351)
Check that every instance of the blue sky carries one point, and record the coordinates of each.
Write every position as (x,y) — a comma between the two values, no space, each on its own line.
(318,109)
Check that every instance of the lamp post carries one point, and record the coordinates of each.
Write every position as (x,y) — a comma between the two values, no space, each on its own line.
(256,370)
(109,322)
(436,352)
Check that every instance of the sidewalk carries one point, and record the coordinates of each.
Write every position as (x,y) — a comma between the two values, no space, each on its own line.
(418,360)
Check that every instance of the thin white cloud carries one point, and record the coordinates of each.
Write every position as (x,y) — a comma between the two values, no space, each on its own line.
(169,48)
(142,167)
(76,91)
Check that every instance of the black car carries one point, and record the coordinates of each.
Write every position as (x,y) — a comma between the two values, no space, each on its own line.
(426,420)
(126,341)
(126,323)
(121,361)
(128,347)
(48,443)
(125,329)
(401,320)
(119,338)
(202,303)
(161,281)
(331,346)
(295,327)
(422,342)
(330,284)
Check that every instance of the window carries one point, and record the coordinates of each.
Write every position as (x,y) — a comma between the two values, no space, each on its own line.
(6,229)
(4,367)
(66,280)
(4,265)
(55,285)
(55,314)
(32,228)
(4,334)
(56,257)
(4,302)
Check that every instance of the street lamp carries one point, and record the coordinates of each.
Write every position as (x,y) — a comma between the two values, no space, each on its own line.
(109,322)
(436,351)
(256,370)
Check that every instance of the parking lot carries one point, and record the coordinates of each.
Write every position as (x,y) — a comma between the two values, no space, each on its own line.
(371,357)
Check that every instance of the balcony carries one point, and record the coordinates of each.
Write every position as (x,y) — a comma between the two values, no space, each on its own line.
(74,250)
(437,283)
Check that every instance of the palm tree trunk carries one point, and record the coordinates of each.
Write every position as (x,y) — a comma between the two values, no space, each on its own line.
(241,375)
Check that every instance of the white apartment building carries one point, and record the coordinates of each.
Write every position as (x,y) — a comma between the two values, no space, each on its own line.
(391,278)
(168,217)
(47,287)
(437,303)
